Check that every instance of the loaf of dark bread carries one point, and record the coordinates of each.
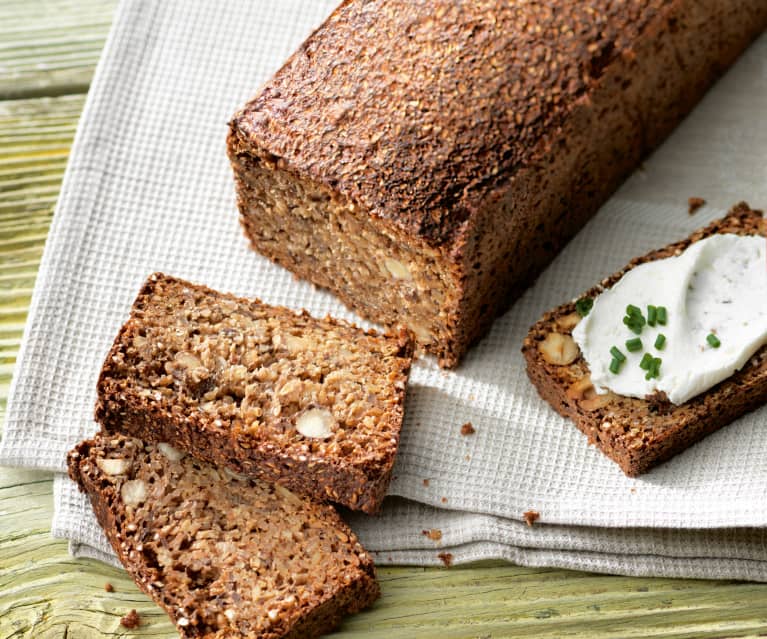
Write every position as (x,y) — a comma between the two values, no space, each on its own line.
(425,160)
(314,404)
(640,433)
(226,557)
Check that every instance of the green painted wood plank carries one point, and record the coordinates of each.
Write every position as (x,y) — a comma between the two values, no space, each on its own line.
(50,48)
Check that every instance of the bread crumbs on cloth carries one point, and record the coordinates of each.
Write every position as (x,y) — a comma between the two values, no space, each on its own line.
(467,429)
(694,203)
(531,516)
(434,534)
(446,558)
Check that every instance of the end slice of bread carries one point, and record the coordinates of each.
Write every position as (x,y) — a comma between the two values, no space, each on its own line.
(638,434)
(225,556)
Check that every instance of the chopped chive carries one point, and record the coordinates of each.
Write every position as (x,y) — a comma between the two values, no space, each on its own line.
(654,369)
(660,341)
(583,306)
(633,324)
(646,362)
(615,366)
(616,353)
(634,344)
(662,315)
(652,314)
(713,340)
(634,319)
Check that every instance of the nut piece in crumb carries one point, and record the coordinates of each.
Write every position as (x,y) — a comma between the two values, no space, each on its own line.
(531,516)
(433,533)
(113,466)
(108,587)
(170,452)
(446,558)
(467,429)
(559,349)
(131,620)
(397,269)
(133,492)
(420,330)
(316,423)
(694,203)
(598,401)
(568,322)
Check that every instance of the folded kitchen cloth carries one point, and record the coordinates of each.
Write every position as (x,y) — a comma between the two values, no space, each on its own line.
(148,187)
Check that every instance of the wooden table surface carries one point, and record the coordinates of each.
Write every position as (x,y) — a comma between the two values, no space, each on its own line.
(48,51)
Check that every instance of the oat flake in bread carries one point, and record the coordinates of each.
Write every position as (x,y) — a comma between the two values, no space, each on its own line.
(639,433)
(425,160)
(226,557)
(314,404)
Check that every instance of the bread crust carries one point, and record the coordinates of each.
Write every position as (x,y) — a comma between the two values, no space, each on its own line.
(482,159)
(639,434)
(352,466)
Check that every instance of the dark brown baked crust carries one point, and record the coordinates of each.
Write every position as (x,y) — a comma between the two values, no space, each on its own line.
(640,433)
(226,557)
(232,381)
(471,139)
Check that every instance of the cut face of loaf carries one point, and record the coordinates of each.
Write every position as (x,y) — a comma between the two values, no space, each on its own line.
(226,557)
(425,160)
(315,405)
(638,434)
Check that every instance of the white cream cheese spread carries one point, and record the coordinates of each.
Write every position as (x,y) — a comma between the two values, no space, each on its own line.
(714,299)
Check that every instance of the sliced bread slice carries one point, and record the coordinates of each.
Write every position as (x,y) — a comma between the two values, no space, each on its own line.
(314,404)
(640,433)
(224,556)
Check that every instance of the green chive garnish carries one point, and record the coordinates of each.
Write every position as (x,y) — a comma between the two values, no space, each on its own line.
(634,319)
(713,340)
(654,368)
(652,314)
(646,362)
(615,352)
(634,324)
(633,345)
(615,366)
(662,315)
(660,341)
(583,306)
